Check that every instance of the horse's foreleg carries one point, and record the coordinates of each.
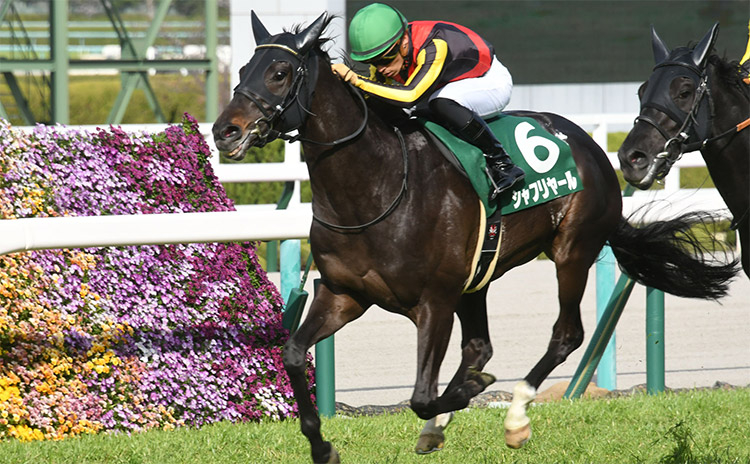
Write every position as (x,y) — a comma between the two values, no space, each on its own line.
(567,335)
(468,382)
(328,313)
(432,438)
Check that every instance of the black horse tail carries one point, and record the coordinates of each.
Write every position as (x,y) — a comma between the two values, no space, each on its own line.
(668,255)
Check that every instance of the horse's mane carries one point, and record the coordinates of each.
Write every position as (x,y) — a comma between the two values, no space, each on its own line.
(390,114)
(732,73)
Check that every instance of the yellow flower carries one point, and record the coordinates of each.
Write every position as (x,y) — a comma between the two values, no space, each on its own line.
(101,369)
(8,393)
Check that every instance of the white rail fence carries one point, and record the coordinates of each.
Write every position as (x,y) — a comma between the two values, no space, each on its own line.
(263,222)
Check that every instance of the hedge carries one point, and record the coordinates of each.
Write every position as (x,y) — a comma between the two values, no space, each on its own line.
(130,338)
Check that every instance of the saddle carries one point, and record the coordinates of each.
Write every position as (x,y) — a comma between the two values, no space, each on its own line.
(545,158)
(550,173)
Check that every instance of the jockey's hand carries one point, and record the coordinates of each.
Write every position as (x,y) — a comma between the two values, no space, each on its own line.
(345,73)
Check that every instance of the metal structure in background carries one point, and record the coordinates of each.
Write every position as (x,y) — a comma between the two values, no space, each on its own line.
(600,356)
(133,67)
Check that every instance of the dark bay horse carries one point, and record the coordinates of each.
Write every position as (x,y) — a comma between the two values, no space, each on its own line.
(695,100)
(395,225)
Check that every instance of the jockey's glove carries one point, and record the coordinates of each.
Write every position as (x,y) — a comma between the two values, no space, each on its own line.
(345,73)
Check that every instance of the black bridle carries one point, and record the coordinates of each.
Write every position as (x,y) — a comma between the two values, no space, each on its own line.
(291,101)
(695,124)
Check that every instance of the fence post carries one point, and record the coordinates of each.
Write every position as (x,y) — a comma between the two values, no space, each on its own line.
(606,374)
(654,341)
(272,247)
(599,340)
(290,266)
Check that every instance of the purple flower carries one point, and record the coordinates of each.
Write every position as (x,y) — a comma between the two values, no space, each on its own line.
(135,337)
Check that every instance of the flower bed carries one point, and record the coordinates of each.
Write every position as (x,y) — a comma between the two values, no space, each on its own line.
(130,338)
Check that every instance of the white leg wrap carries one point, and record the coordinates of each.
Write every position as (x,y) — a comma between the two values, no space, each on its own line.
(438,423)
(523,394)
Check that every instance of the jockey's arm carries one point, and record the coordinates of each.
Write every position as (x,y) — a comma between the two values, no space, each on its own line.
(429,65)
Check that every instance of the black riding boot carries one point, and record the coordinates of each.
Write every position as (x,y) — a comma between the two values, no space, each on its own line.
(501,170)
(503,173)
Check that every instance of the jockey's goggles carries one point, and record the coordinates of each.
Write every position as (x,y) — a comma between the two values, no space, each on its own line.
(386,57)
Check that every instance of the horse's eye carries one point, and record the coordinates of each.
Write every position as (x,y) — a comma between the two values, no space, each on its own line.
(279,76)
(684,94)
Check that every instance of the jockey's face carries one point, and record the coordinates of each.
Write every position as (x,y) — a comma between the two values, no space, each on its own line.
(392,68)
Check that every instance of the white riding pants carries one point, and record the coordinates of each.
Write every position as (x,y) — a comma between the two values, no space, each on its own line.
(486,95)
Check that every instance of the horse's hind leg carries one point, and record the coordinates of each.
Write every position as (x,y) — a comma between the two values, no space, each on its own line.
(328,313)
(567,335)
(469,380)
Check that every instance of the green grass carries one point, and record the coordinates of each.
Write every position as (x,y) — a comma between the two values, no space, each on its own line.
(688,427)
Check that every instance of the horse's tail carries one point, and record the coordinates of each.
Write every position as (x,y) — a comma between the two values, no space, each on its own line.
(669,256)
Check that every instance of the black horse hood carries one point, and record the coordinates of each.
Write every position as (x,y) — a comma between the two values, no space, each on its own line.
(294,48)
(680,62)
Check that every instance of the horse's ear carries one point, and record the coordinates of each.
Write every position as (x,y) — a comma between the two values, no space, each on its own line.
(661,52)
(307,38)
(259,30)
(703,49)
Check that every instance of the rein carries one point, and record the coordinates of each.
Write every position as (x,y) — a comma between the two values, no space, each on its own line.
(288,101)
(342,140)
(394,203)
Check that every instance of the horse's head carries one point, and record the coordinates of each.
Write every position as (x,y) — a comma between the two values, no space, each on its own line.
(673,111)
(274,92)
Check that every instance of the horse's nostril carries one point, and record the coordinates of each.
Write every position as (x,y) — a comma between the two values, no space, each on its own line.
(230,132)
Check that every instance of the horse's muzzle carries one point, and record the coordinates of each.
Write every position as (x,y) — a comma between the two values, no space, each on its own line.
(233,141)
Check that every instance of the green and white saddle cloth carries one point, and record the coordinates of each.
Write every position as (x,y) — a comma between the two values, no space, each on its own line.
(546,159)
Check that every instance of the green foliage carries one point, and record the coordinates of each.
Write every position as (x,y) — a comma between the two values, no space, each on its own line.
(92,99)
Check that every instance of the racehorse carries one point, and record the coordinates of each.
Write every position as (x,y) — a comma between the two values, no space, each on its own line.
(395,225)
(695,100)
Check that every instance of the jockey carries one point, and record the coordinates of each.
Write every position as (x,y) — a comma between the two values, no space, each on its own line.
(439,68)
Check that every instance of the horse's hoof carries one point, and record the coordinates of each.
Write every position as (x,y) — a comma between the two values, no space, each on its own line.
(333,457)
(429,443)
(518,437)
(487,379)
(484,379)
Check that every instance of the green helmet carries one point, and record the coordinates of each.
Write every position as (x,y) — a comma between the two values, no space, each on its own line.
(374,29)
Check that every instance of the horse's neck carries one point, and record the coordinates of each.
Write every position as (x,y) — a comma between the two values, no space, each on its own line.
(728,157)
(731,105)
(350,175)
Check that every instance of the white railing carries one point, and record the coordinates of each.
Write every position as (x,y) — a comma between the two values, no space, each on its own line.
(247,223)
(258,222)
